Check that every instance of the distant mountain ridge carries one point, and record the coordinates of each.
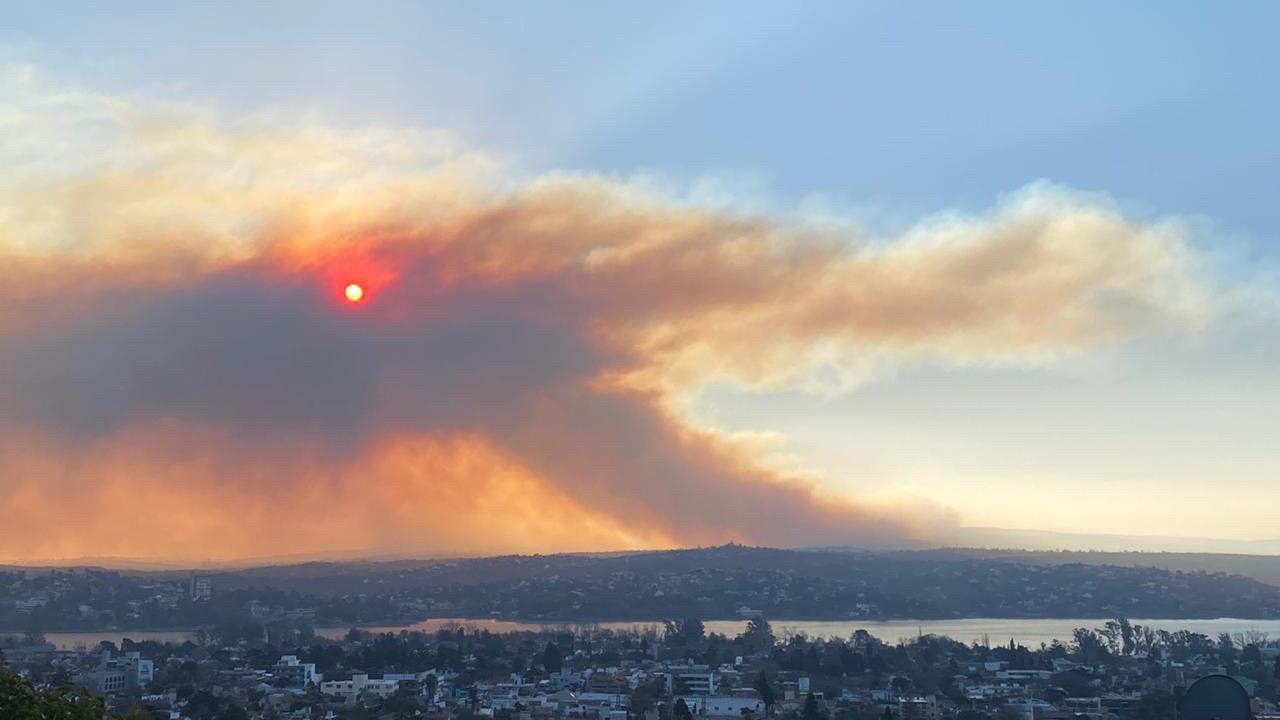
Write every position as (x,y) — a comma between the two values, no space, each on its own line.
(1264,568)
(797,584)
(990,537)
(967,537)
(708,583)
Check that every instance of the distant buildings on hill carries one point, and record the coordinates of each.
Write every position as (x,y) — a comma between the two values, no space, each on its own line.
(201,587)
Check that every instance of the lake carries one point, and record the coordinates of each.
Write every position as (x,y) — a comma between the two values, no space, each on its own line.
(1029,632)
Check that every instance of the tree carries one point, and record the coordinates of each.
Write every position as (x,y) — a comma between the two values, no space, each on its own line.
(1089,646)
(1145,639)
(767,695)
(552,661)
(433,684)
(403,703)
(1251,654)
(1227,652)
(812,710)
(1250,637)
(645,697)
(682,711)
(758,637)
(1074,684)
(686,633)
(20,700)
(1120,636)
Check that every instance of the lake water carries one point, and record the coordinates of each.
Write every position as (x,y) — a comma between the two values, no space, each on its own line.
(994,630)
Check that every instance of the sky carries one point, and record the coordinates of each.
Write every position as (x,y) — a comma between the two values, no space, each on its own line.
(636,276)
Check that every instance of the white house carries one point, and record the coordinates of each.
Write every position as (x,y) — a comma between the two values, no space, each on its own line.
(297,672)
(722,706)
(359,685)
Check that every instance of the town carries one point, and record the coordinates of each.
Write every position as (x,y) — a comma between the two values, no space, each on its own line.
(673,671)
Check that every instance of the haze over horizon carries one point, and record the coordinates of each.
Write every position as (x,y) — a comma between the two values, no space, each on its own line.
(636,292)
(995,540)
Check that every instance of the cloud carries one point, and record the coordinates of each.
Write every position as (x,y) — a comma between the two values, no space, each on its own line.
(172,337)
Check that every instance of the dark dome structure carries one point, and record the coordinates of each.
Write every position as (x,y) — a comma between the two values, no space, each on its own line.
(1216,697)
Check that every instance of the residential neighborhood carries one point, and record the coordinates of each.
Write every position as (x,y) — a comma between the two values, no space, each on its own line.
(675,671)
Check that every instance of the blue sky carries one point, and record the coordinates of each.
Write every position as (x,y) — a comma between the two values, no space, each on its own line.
(886,111)
(915,107)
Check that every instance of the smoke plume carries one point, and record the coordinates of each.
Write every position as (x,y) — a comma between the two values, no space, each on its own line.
(181,378)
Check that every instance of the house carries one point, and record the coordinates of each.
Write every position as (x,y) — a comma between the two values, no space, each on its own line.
(919,708)
(296,672)
(359,685)
(722,706)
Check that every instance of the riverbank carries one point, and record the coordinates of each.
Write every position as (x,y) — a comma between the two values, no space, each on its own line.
(1029,632)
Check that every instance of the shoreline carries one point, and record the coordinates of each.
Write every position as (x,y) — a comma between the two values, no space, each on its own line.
(776,623)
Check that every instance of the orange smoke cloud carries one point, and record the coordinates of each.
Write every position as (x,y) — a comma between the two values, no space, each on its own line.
(179,377)
(173,490)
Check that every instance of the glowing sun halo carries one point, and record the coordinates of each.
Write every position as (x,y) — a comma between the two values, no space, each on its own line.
(353,292)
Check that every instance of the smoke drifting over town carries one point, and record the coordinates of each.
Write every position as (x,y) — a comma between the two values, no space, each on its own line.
(173,335)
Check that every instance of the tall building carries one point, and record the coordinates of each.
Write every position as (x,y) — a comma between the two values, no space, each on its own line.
(296,672)
(201,587)
(115,674)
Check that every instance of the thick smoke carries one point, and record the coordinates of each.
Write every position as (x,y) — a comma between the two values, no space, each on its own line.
(172,338)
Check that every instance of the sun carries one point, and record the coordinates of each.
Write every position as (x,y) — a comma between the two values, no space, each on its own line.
(354,293)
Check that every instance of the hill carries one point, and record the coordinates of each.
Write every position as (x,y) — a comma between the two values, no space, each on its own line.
(708,583)
(1264,568)
(797,584)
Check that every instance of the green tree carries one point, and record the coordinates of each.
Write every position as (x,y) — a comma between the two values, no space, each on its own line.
(552,661)
(645,697)
(1088,645)
(768,697)
(689,632)
(682,711)
(758,636)
(1251,654)
(20,700)
(1074,684)
(812,710)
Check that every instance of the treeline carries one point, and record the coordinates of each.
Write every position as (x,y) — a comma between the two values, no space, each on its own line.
(86,600)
